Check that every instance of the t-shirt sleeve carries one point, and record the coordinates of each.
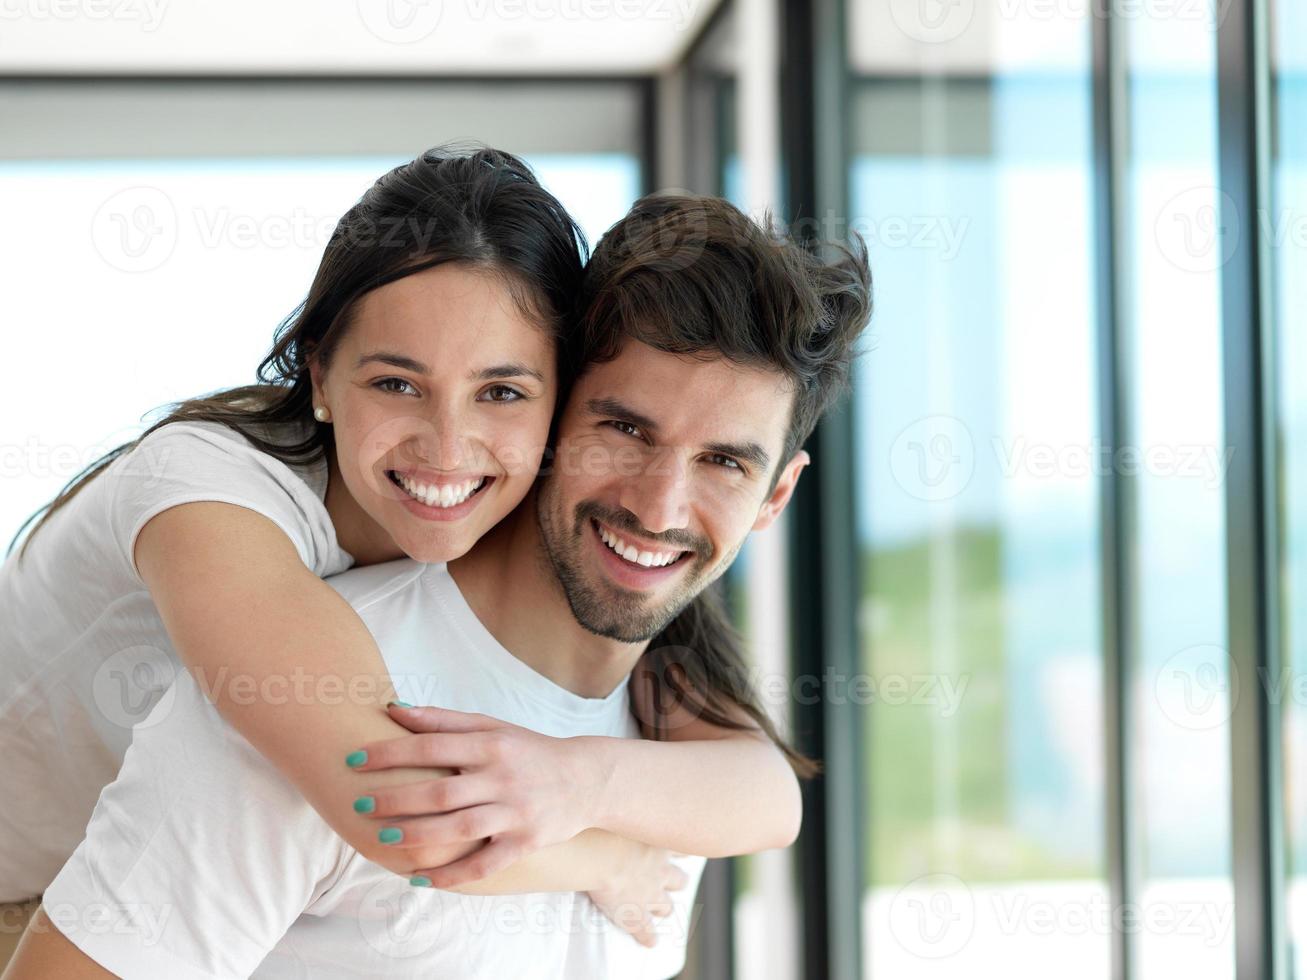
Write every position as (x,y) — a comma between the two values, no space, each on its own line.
(197,858)
(185,462)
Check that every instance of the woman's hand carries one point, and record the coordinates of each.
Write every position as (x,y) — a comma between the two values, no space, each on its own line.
(639,892)
(513,787)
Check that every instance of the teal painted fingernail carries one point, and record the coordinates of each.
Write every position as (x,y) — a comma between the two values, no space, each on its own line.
(365,804)
(421,881)
(356,759)
(390,835)
(401,704)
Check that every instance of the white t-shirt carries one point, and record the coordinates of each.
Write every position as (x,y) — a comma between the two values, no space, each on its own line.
(201,860)
(83,652)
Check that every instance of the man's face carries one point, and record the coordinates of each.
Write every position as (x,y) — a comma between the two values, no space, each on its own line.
(665,463)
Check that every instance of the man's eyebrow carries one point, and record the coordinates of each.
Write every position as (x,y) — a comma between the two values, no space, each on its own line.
(611,406)
(496,373)
(748,452)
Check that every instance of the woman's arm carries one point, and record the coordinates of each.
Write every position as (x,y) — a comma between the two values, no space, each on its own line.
(734,790)
(709,790)
(291,666)
(45,953)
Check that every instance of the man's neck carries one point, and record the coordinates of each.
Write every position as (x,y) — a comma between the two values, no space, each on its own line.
(510,584)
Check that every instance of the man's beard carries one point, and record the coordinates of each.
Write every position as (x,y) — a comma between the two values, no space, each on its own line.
(605,609)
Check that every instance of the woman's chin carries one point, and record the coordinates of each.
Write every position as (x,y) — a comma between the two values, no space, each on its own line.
(434,549)
(432,534)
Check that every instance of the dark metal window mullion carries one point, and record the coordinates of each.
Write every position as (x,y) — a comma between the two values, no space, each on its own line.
(1110,121)
(824,560)
(1252,541)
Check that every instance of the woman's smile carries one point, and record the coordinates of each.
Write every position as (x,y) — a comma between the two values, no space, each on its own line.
(445,501)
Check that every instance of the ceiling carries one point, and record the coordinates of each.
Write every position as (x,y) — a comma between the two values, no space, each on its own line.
(442,37)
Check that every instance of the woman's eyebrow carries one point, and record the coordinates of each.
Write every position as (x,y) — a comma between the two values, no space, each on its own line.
(500,371)
(394,360)
(495,373)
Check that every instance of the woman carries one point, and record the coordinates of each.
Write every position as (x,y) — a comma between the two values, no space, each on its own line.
(457,266)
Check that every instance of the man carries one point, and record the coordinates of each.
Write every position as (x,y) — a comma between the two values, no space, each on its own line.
(707,352)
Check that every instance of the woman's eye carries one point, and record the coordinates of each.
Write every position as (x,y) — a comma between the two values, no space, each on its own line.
(502,393)
(382,384)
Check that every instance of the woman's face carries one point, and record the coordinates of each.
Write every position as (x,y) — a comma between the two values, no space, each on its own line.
(441,395)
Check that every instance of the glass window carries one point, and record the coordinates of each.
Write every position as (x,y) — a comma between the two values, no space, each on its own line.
(1288,237)
(162,274)
(978,471)
(1181,695)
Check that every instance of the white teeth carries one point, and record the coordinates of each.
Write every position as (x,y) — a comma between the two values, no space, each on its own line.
(649,559)
(446,495)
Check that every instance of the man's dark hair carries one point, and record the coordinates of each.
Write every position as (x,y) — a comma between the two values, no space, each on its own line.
(695,275)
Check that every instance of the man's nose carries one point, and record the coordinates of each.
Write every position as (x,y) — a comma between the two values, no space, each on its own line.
(659,495)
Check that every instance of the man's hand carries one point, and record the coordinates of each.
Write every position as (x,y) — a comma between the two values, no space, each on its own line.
(513,787)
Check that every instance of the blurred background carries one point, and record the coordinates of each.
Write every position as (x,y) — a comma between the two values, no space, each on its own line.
(1039,605)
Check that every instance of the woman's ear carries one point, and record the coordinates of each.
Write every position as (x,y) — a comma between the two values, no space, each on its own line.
(780,496)
(315,379)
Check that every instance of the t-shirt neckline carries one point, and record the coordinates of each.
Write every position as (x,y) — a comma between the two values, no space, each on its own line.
(502,660)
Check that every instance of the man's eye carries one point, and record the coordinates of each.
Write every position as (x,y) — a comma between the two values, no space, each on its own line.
(719,460)
(626,428)
(382,384)
(502,393)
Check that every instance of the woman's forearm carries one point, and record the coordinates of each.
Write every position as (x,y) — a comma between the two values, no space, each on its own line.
(715,797)
(734,794)
(589,861)
(262,621)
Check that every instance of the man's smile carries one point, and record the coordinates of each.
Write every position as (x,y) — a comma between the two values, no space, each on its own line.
(633,562)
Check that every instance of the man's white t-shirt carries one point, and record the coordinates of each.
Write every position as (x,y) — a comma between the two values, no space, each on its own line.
(201,860)
(83,652)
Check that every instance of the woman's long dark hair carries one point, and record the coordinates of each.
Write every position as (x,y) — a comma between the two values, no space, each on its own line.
(467,204)
(699,661)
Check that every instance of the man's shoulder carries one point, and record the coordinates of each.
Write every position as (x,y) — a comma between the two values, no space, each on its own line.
(364,586)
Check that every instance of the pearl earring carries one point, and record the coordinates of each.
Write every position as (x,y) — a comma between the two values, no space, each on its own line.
(322,413)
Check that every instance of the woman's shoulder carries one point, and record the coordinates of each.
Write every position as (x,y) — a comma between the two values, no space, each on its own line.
(223,435)
(269,446)
(200,460)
